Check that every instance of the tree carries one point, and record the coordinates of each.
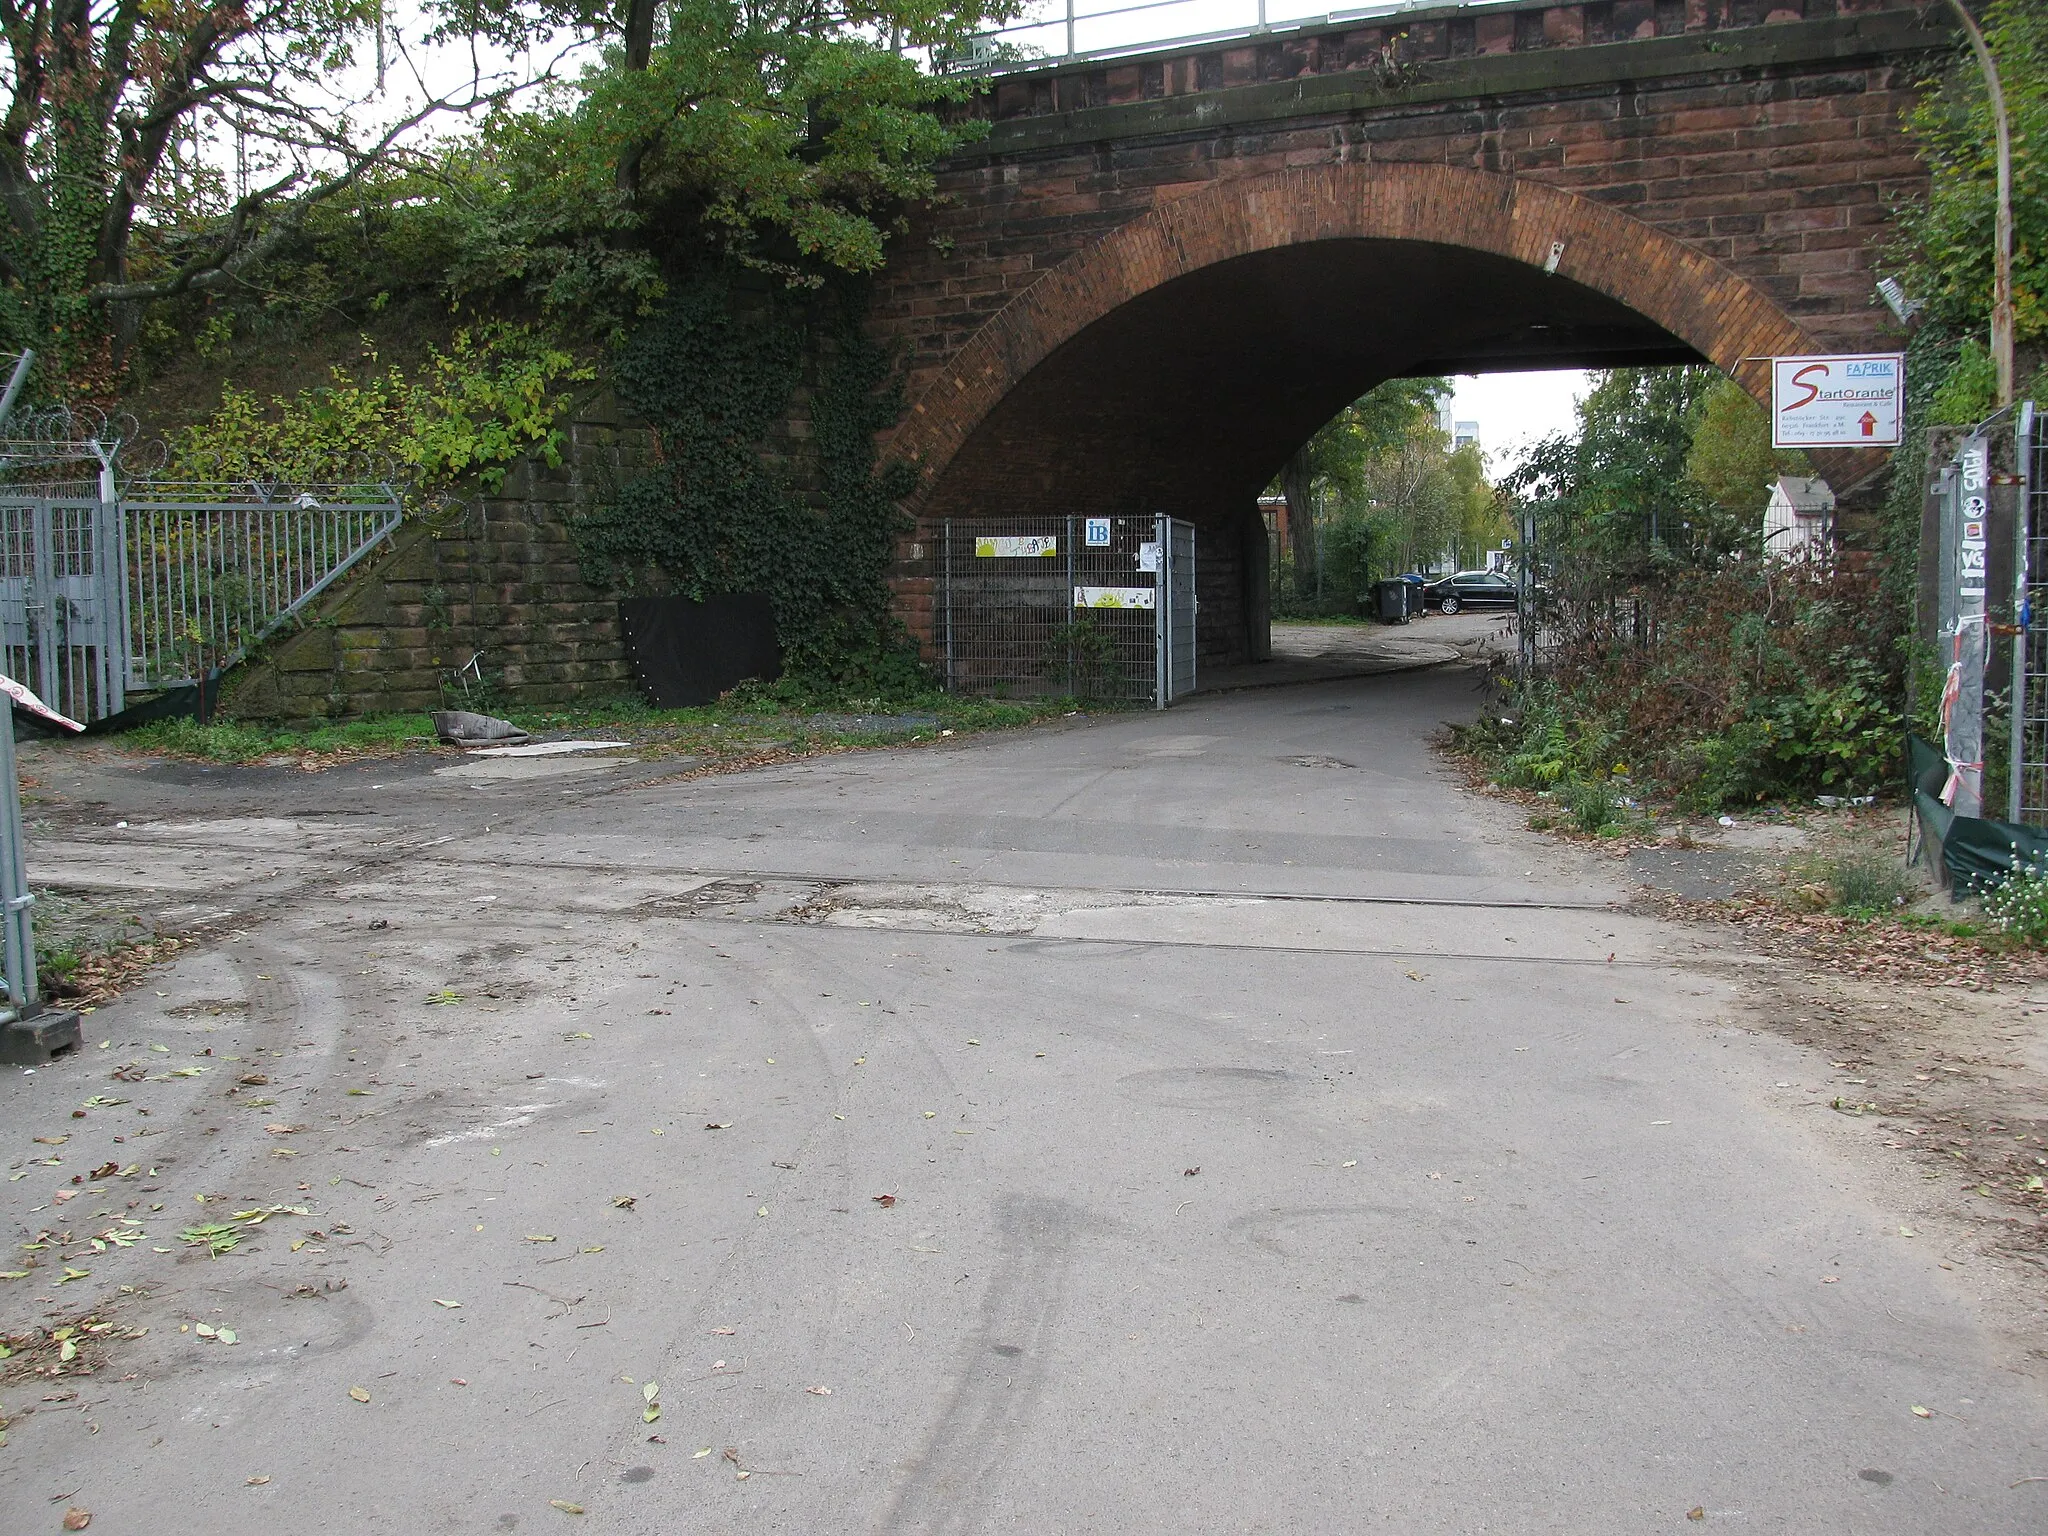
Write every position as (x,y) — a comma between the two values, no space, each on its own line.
(775,132)
(1482,521)
(1945,241)
(118,116)
(1336,458)
(1731,457)
(1618,493)
(793,129)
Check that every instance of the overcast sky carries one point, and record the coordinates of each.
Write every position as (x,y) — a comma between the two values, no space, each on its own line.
(1515,410)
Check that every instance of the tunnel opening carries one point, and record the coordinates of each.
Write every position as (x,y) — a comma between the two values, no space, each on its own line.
(1187,399)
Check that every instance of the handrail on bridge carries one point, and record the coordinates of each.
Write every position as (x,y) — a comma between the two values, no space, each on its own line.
(991,52)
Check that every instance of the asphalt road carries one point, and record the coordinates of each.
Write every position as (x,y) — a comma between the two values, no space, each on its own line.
(1276,1137)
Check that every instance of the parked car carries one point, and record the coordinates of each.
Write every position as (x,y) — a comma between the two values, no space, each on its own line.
(1471,589)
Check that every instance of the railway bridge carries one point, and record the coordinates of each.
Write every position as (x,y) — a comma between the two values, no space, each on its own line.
(1155,276)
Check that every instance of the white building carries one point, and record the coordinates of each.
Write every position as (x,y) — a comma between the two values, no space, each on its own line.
(1801,514)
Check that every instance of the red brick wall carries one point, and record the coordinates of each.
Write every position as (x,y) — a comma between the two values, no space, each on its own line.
(1731,194)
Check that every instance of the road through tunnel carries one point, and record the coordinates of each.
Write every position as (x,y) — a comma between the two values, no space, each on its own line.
(1188,399)
(1172,367)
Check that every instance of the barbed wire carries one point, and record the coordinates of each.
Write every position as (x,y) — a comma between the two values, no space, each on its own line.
(52,436)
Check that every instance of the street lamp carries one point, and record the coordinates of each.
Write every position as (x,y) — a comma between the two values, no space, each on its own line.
(2001,250)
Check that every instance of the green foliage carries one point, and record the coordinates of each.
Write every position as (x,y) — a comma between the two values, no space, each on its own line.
(1731,458)
(1616,498)
(1757,686)
(1377,490)
(1968,391)
(752,719)
(1945,242)
(785,135)
(714,373)
(1593,806)
(2019,906)
(490,398)
(1083,651)
(1862,883)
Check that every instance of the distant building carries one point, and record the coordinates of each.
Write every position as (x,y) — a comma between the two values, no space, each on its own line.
(1274,510)
(1464,434)
(1801,513)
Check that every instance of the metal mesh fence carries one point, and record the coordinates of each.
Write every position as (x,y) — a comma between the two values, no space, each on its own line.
(1177,586)
(1029,607)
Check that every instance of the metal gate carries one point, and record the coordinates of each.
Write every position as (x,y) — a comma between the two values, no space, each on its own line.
(63,624)
(1082,607)
(213,569)
(100,596)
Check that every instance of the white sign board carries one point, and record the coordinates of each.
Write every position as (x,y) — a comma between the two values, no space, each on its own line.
(1098,533)
(1838,402)
(1034,547)
(1112,597)
(1148,557)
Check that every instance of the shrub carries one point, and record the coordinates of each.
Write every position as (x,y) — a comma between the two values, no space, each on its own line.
(1727,685)
(1593,807)
(2020,906)
(1864,884)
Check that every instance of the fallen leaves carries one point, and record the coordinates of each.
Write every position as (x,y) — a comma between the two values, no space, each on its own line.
(625,1202)
(1922,1413)
(254,1482)
(360,1394)
(223,1335)
(565,1506)
(650,1395)
(76,1519)
(451,1305)
(884,1201)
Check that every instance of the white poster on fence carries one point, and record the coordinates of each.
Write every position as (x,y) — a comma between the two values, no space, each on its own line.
(1838,402)
(1112,597)
(1009,547)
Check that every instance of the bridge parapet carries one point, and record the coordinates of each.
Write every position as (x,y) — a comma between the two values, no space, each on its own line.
(1515,47)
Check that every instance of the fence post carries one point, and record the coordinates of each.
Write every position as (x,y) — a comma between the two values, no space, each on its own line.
(14,892)
(1964,511)
(946,594)
(1162,615)
(2022,528)
(1068,599)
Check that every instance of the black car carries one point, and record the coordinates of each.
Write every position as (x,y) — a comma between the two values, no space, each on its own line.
(1471,589)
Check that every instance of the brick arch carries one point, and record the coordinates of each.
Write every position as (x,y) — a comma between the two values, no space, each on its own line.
(1693,297)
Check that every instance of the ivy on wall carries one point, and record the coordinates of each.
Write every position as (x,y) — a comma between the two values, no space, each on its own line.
(715,373)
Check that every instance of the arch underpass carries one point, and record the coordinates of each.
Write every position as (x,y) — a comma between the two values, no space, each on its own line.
(1175,364)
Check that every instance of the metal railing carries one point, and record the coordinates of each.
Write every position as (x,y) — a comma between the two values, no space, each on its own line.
(212,569)
(1062,32)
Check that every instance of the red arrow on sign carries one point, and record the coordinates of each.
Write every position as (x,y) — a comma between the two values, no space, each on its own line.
(1868,424)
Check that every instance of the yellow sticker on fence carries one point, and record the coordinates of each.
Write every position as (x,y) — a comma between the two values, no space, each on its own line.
(1113,597)
(1008,547)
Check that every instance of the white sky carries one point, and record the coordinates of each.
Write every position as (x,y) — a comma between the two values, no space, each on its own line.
(1514,410)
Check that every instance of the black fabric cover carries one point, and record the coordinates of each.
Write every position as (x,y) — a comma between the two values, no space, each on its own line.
(687,653)
(1976,852)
